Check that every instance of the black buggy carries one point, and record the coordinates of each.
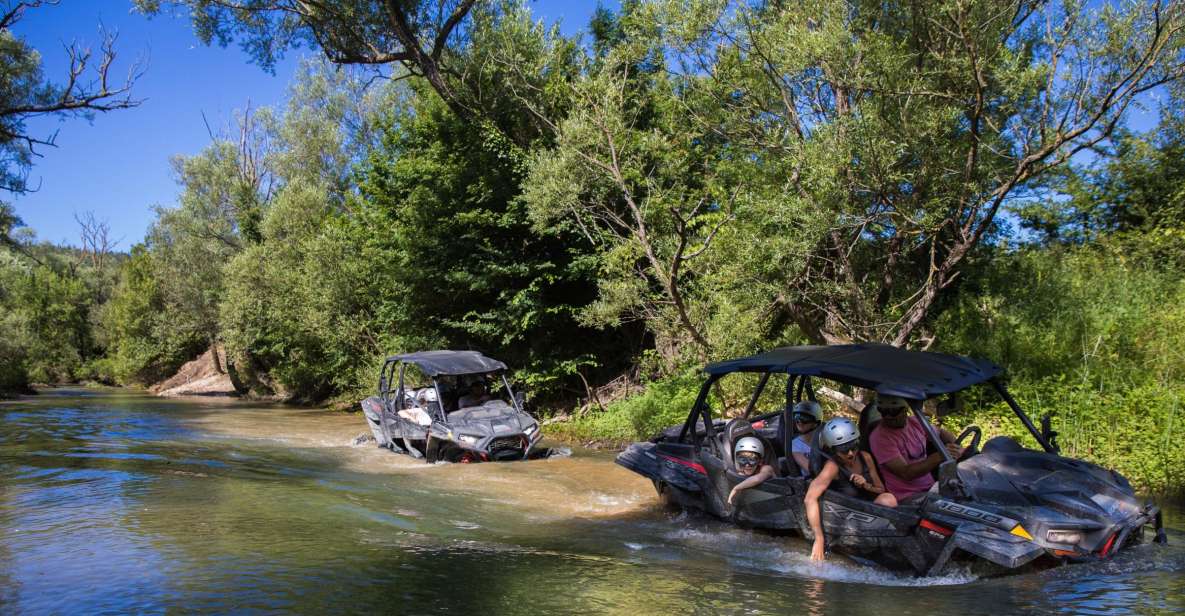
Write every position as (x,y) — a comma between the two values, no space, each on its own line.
(999,508)
(452,406)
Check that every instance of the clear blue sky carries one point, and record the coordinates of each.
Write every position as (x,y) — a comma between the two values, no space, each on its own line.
(118,166)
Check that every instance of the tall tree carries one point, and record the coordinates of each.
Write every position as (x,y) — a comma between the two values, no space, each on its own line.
(415,36)
(882,139)
(25,92)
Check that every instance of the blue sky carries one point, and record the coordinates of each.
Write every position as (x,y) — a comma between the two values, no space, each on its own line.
(118,165)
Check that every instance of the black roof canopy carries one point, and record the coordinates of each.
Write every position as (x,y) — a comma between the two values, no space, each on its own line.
(887,369)
(435,363)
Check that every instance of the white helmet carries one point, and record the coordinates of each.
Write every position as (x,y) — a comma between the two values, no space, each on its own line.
(750,443)
(809,407)
(839,431)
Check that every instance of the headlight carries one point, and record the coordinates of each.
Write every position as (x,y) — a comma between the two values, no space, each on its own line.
(531,429)
(469,439)
(1063,536)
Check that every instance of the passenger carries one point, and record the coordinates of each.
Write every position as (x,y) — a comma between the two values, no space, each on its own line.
(477,395)
(899,444)
(749,458)
(850,470)
(807,417)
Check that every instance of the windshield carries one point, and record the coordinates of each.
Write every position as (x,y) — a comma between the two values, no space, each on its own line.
(470,390)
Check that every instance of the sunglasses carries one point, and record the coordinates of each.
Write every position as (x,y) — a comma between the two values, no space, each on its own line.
(805,419)
(892,411)
(749,460)
(847,447)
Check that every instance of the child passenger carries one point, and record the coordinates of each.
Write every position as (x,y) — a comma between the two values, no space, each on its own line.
(749,456)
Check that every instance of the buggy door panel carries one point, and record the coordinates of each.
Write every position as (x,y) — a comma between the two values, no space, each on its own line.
(678,465)
(770,504)
(845,515)
(720,482)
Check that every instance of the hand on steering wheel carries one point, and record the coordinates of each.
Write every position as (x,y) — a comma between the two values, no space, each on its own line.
(972,448)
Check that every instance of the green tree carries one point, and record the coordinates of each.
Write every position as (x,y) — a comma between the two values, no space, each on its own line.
(26,93)
(416,36)
(460,261)
(1131,195)
(144,343)
(871,145)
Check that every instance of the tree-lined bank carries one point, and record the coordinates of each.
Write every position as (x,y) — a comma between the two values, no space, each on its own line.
(691,181)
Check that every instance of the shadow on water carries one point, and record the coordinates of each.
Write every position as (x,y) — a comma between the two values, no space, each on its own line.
(116,501)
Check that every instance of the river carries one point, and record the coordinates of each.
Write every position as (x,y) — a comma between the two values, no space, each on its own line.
(116,501)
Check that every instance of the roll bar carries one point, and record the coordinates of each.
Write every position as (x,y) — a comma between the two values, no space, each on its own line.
(1041,440)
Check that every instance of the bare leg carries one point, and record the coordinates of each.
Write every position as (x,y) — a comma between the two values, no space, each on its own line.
(886,500)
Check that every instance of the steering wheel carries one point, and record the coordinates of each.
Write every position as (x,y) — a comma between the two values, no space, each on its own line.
(973,448)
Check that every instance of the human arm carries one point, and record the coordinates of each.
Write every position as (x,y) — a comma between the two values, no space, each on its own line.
(765,472)
(803,463)
(811,501)
(906,471)
(876,486)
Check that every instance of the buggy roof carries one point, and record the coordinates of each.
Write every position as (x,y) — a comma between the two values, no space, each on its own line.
(435,363)
(887,369)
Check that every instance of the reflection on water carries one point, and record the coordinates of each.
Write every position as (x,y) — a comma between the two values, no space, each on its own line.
(116,501)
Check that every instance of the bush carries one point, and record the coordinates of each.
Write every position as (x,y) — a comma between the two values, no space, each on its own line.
(1127,429)
(662,404)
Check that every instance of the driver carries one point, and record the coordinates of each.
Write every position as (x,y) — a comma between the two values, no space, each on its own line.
(899,445)
(476,396)
(749,456)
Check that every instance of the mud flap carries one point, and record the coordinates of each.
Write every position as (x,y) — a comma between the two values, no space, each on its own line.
(372,410)
(948,548)
(412,451)
(996,546)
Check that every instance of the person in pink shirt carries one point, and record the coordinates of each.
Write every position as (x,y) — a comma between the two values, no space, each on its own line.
(899,445)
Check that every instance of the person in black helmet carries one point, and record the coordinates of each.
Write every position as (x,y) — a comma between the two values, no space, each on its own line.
(848,470)
(808,417)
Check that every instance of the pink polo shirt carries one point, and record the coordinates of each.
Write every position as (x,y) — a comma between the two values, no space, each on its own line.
(909,444)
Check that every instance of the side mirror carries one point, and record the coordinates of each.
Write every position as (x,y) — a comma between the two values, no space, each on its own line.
(520,399)
(1048,433)
(951,405)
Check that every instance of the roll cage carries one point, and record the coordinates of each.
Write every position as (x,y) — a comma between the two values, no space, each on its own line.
(434,364)
(860,367)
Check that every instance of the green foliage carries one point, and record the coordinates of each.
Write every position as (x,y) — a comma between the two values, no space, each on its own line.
(48,300)
(1085,313)
(144,342)
(662,404)
(459,262)
(1134,429)
(1092,339)
(273,311)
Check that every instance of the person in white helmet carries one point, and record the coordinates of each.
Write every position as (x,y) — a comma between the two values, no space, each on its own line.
(848,470)
(808,416)
(749,458)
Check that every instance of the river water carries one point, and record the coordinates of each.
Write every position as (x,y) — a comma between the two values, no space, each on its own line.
(115,501)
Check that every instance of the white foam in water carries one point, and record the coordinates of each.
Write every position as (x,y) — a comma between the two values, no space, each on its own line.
(464,525)
(749,550)
(600,499)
